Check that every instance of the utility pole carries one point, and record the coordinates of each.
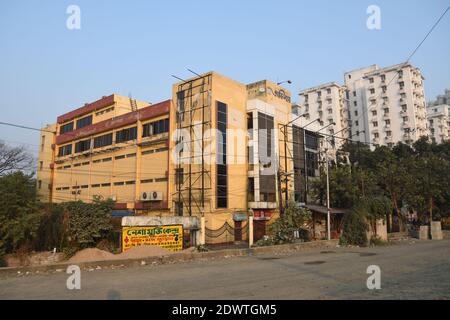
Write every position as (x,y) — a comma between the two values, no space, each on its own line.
(280,194)
(328,195)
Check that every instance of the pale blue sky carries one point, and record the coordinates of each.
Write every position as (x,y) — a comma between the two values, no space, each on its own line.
(134,46)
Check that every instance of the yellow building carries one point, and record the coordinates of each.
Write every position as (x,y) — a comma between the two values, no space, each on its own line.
(115,147)
(232,149)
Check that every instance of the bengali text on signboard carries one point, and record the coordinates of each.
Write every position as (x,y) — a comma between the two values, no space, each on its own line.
(167,237)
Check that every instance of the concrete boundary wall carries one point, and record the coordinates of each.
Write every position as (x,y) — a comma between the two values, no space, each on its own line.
(173,258)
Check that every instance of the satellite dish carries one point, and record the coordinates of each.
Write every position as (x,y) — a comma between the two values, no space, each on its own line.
(262,89)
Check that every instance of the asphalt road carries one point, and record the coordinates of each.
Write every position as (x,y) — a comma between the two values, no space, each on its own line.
(419,270)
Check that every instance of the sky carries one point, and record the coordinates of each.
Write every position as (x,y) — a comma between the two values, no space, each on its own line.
(133,47)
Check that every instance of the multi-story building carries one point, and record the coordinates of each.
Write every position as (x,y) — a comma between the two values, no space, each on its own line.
(441,99)
(327,102)
(231,149)
(46,158)
(387,105)
(438,116)
(102,149)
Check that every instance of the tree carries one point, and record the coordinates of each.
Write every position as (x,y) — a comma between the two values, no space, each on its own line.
(14,159)
(392,176)
(292,220)
(18,213)
(87,223)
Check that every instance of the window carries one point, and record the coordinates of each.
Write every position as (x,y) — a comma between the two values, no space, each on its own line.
(83,122)
(41,164)
(404,107)
(179,176)
(384,88)
(375,123)
(328,91)
(376,135)
(374,112)
(42,143)
(251,189)
(83,145)
(102,141)
(386,111)
(356,123)
(354,93)
(126,135)
(330,111)
(356,112)
(40,184)
(66,128)
(405,119)
(65,150)
(156,127)
(355,103)
(388,122)
(372,91)
(312,163)
(370,80)
(319,94)
(179,208)
(383,77)
(402,85)
(388,133)
(221,161)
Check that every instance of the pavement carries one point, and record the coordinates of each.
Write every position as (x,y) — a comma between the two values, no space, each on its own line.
(409,270)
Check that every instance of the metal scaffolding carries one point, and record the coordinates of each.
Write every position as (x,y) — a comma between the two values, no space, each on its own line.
(193,168)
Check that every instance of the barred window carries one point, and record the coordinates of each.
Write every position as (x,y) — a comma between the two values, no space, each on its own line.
(126,135)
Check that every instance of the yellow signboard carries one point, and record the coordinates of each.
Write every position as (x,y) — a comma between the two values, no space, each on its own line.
(167,237)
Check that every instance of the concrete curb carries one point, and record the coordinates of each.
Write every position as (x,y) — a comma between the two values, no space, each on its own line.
(173,258)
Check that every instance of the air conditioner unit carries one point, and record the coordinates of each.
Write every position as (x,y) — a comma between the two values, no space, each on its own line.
(151,196)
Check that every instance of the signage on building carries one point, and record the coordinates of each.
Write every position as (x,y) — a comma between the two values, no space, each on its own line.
(262,214)
(279,93)
(169,237)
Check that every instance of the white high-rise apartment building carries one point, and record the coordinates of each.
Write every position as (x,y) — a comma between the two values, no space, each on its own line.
(327,103)
(438,116)
(386,105)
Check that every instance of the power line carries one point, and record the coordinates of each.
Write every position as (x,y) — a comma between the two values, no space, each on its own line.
(25,127)
(413,53)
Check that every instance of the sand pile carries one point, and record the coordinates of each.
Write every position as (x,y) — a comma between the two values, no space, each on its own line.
(94,254)
(142,252)
(91,254)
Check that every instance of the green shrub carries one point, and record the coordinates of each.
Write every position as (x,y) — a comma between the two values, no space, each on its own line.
(293,219)
(354,228)
(88,223)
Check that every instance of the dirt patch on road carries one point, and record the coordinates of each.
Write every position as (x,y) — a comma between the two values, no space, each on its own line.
(315,262)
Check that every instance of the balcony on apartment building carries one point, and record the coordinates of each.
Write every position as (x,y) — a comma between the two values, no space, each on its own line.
(262,205)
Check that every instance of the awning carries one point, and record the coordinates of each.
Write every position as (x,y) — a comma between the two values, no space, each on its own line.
(322,209)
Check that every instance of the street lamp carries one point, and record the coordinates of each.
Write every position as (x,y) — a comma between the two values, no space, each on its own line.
(328,183)
(331,124)
(285,132)
(285,81)
(304,158)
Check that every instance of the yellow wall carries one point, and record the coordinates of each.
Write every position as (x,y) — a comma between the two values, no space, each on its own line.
(45,159)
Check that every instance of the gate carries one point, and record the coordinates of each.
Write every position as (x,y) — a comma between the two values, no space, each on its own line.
(226,231)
